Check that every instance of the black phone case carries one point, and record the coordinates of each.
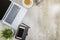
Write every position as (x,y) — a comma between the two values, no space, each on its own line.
(24,33)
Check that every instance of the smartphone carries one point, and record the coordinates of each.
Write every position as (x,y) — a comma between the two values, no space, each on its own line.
(22,32)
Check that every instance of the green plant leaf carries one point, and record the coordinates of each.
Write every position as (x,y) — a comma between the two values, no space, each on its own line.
(7,33)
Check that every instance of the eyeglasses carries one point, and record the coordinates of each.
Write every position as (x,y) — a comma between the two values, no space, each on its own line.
(37,1)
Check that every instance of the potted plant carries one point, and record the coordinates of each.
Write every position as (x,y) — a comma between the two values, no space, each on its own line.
(7,34)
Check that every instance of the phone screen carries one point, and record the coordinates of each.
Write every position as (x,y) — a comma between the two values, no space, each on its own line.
(20,32)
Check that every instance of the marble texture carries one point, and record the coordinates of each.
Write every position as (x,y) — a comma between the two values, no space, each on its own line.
(44,20)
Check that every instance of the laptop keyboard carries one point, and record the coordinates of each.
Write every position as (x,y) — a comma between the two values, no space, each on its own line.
(12,14)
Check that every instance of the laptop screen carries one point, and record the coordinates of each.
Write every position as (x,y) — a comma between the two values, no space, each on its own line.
(4,4)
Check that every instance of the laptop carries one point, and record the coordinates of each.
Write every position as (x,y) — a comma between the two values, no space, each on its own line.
(14,15)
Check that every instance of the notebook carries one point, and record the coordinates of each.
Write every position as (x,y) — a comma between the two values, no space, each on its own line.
(4,4)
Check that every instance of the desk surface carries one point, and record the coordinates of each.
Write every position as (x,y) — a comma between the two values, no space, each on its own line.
(42,22)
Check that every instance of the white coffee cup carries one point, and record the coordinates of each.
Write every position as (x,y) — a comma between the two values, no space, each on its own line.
(27,6)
